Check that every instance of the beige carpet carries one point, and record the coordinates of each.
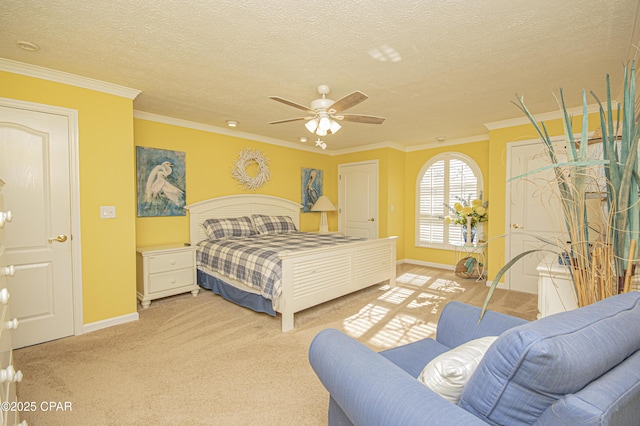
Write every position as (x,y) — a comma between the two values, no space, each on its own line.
(205,361)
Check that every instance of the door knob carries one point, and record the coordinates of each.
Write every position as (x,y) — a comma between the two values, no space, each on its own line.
(516,226)
(59,238)
(371,219)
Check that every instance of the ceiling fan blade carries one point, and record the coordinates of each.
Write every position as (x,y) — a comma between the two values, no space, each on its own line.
(290,119)
(291,103)
(367,119)
(346,102)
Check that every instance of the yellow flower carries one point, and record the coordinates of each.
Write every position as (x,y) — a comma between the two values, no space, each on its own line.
(481,211)
(467,210)
(447,219)
(476,203)
(457,207)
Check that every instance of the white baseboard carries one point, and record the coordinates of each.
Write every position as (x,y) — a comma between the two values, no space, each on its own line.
(110,322)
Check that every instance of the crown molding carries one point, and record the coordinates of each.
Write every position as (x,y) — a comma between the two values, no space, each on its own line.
(370,147)
(63,77)
(547,116)
(460,141)
(142,115)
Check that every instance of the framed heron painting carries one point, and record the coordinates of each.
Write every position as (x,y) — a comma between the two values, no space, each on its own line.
(312,180)
(161,182)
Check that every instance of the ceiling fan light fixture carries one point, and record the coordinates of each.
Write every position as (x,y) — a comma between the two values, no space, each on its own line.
(325,123)
(321,132)
(312,125)
(335,126)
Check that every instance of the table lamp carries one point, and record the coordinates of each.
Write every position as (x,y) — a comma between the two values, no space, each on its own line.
(323,205)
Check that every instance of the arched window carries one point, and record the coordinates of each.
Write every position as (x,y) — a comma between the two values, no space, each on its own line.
(442,181)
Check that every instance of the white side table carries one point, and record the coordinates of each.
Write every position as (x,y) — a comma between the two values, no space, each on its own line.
(165,271)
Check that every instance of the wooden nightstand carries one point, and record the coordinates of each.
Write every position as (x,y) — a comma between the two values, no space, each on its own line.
(165,271)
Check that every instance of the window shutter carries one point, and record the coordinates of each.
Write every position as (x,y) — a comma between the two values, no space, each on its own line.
(445,181)
(432,190)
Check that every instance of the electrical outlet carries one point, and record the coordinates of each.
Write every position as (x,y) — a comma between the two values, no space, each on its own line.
(107,212)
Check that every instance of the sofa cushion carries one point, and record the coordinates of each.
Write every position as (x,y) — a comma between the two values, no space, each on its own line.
(414,356)
(531,366)
(448,373)
(613,399)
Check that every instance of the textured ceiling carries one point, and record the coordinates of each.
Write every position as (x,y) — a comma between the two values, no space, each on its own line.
(458,63)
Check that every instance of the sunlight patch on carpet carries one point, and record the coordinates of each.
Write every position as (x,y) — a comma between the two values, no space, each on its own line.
(426,299)
(446,285)
(401,330)
(396,295)
(413,279)
(358,324)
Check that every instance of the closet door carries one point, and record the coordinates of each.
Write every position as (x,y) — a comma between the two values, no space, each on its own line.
(34,163)
(358,199)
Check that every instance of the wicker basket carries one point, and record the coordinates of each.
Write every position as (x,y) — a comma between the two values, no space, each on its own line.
(463,272)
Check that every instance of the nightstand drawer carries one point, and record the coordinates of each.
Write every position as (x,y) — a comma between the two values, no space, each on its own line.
(170,261)
(170,280)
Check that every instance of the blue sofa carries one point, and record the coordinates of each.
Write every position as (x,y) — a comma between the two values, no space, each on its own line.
(580,367)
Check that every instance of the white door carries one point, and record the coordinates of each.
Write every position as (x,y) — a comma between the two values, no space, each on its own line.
(34,163)
(358,199)
(532,209)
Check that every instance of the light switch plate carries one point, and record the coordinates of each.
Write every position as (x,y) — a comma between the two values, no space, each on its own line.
(107,212)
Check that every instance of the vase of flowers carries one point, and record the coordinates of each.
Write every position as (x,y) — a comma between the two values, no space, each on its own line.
(469,231)
(468,213)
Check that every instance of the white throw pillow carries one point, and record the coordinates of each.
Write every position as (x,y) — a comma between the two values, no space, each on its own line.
(447,373)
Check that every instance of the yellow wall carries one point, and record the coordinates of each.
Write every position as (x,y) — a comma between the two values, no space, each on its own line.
(108,134)
(209,158)
(415,160)
(106,157)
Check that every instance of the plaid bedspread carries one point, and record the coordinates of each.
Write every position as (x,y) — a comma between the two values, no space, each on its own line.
(254,260)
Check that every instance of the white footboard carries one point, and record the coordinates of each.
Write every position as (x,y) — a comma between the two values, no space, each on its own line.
(313,277)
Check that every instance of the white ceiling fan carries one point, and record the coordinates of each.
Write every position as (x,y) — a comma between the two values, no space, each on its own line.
(325,113)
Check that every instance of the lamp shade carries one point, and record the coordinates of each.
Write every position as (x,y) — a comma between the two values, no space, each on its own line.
(323,204)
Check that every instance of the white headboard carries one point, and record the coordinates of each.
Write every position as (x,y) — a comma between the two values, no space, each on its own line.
(235,206)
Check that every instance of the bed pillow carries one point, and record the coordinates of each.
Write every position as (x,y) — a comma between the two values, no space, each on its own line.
(448,373)
(273,224)
(217,229)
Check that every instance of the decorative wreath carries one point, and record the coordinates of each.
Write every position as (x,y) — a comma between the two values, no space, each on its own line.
(246,157)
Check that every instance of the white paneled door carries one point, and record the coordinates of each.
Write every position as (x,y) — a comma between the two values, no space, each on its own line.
(532,209)
(34,163)
(358,199)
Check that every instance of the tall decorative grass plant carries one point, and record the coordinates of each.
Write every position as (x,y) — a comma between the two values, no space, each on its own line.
(599,267)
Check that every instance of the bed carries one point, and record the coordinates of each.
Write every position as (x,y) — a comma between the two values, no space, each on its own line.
(308,277)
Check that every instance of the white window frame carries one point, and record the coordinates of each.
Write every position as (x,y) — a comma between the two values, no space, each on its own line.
(447,157)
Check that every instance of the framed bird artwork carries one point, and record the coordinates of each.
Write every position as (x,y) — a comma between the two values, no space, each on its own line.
(312,180)
(161,182)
